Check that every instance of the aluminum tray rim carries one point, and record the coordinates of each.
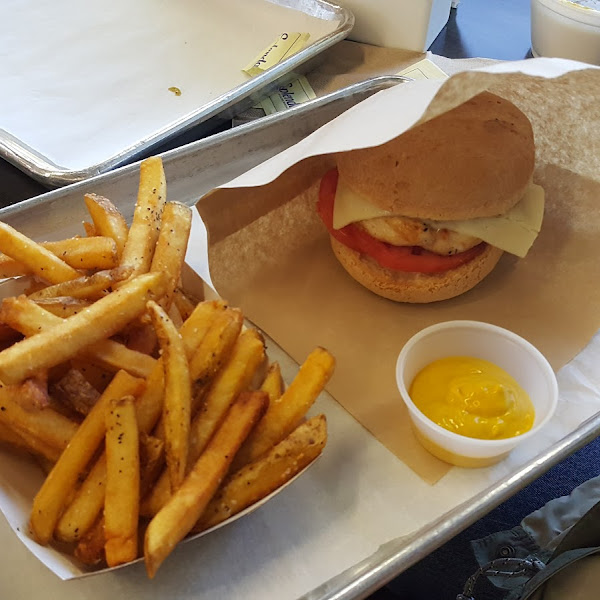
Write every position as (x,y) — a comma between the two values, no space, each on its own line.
(51,175)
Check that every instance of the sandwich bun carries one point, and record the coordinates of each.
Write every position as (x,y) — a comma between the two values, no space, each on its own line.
(404,286)
(476,160)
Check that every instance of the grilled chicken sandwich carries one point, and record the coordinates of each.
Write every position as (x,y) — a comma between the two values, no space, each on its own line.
(427,215)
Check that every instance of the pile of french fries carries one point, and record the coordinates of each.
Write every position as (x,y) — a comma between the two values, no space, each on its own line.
(154,416)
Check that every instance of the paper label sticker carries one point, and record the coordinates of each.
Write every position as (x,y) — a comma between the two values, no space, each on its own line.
(297,91)
(424,69)
(287,44)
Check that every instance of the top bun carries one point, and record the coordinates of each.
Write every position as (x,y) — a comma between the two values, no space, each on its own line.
(476,160)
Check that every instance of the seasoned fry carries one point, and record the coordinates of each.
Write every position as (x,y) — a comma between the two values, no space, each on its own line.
(175,316)
(92,286)
(30,319)
(108,220)
(85,507)
(286,413)
(179,515)
(152,457)
(198,323)
(121,504)
(26,442)
(90,549)
(264,475)
(235,377)
(212,352)
(273,383)
(143,233)
(53,495)
(76,392)
(184,304)
(216,345)
(89,253)
(38,260)
(177,395)
(50,428)
(101,320)
(88,501)
(247,355)
(124,387)
(172,242)
(89,229)
(62,306)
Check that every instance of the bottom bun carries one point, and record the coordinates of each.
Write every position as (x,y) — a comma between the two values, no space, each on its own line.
(402,286)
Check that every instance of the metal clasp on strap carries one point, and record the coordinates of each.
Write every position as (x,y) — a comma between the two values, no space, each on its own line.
(502,567)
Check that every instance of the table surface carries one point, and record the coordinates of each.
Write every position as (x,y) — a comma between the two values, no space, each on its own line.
(477,28)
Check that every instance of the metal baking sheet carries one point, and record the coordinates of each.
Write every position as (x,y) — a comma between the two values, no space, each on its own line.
(303,544)
(87,90)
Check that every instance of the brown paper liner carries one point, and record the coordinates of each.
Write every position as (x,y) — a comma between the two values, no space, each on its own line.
(270,254)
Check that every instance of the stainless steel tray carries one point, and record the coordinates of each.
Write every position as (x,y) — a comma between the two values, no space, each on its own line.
(191,171)
(85,91)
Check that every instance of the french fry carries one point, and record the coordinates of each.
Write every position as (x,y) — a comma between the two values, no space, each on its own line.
(60,483)
(87,503)
(273,383)
(184,304)
(247,355)
(177,395)
(92,286)
(178,516)
(285,413)
(171,245)
(88,253)
(108,220)
(38,260)
(272,470)
(198,323)
(90,549)
(216,345)
(143,233)
(62,306)
(76,392)
(26,442)
(96,374)
(121,504)
(50,428)
(164,429)
(152,457)
(80,515)
(175,316)
(101,320)
(234,377)
(212,352)
(29,318)
(89,229)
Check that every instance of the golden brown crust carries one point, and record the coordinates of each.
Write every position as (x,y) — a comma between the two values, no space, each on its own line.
(415,287)
(473,161)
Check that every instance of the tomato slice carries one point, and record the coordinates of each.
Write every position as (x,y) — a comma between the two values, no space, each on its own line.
(413,259)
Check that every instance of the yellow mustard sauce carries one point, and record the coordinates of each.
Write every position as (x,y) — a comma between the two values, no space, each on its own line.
(472,397)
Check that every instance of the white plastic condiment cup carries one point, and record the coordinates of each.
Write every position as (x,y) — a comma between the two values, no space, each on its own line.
(481,340)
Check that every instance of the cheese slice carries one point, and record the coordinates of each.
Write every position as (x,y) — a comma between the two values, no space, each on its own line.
(513,232)
(350,207)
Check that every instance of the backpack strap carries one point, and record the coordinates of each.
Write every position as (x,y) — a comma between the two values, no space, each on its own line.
(585,533)
(567,558)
